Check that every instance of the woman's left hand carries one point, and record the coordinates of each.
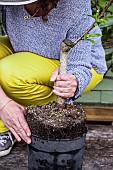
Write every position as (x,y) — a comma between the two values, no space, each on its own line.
(65,85)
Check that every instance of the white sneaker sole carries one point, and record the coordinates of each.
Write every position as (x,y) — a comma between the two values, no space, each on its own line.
(6,152)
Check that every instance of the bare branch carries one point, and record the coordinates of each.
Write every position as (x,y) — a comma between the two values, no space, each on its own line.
(90,28)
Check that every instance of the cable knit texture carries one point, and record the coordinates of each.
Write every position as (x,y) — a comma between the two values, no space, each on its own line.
(70,19)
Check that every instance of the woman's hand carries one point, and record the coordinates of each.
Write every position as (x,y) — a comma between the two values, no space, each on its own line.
(12,114)
(65,85)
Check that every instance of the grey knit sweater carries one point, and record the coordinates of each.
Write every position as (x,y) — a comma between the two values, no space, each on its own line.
(69,20)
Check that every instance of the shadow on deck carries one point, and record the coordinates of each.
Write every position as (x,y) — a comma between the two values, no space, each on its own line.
(98,151)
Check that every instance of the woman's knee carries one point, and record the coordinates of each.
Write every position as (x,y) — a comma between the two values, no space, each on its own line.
(6,73)
(23,84)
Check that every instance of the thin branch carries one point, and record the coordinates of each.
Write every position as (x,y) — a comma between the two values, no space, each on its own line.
(105,9)
(90,28)
(108,46)
(108,40)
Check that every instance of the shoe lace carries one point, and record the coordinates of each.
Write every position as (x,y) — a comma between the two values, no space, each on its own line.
(3,139)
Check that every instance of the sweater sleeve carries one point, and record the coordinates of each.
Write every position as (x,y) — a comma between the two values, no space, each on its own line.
(79,58)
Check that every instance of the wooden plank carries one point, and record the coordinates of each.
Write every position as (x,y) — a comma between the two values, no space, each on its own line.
(99,113)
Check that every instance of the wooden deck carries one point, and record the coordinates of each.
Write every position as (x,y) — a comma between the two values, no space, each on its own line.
(99,113)
(98,151)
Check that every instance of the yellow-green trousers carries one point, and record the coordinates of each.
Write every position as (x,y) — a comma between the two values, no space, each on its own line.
(25,77)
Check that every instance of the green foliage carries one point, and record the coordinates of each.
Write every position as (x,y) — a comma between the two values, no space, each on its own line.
(106,25)
(102,4)
(88,37)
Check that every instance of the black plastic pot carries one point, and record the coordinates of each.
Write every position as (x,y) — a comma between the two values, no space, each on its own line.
(56,155)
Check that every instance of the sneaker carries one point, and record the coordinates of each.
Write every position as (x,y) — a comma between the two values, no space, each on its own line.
(7,141)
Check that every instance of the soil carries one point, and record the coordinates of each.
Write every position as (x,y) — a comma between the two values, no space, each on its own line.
(51,122)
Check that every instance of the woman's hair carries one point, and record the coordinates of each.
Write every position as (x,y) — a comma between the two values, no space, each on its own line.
(44,4)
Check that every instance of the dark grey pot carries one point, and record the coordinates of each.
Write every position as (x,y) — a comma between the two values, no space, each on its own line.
(63,154)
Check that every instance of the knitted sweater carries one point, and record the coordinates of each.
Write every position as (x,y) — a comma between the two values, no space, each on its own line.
(69,20)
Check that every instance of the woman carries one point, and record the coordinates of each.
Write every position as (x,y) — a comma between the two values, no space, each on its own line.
(30,60)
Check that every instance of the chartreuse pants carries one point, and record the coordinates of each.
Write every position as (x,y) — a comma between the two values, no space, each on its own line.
(25,77)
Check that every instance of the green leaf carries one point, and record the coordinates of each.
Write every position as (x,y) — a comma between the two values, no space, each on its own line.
(96,24)
(101,20)
(110,16)
(94,35)
(92,41)
(86,36)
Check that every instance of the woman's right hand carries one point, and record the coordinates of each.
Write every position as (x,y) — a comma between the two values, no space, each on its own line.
(12,114)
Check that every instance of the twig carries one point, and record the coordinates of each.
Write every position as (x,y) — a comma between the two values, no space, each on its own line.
(108,40)
(90,28)
(108,46)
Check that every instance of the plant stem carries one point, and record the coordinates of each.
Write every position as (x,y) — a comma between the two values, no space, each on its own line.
(108,46)
(105,9)
(63,69)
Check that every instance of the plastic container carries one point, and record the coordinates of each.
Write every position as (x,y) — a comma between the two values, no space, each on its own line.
(56,155)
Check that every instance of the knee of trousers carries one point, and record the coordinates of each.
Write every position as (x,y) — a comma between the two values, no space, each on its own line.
(22,86)
(9,80)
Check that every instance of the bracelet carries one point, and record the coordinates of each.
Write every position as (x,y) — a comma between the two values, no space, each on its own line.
(5,104)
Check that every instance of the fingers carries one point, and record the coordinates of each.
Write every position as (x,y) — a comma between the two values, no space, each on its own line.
(64,92)
(64,95)
(54,75)
(21,128)
(65,77)
(24,129)
(65,85)
(14,119)
(18,126)
(15,134)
